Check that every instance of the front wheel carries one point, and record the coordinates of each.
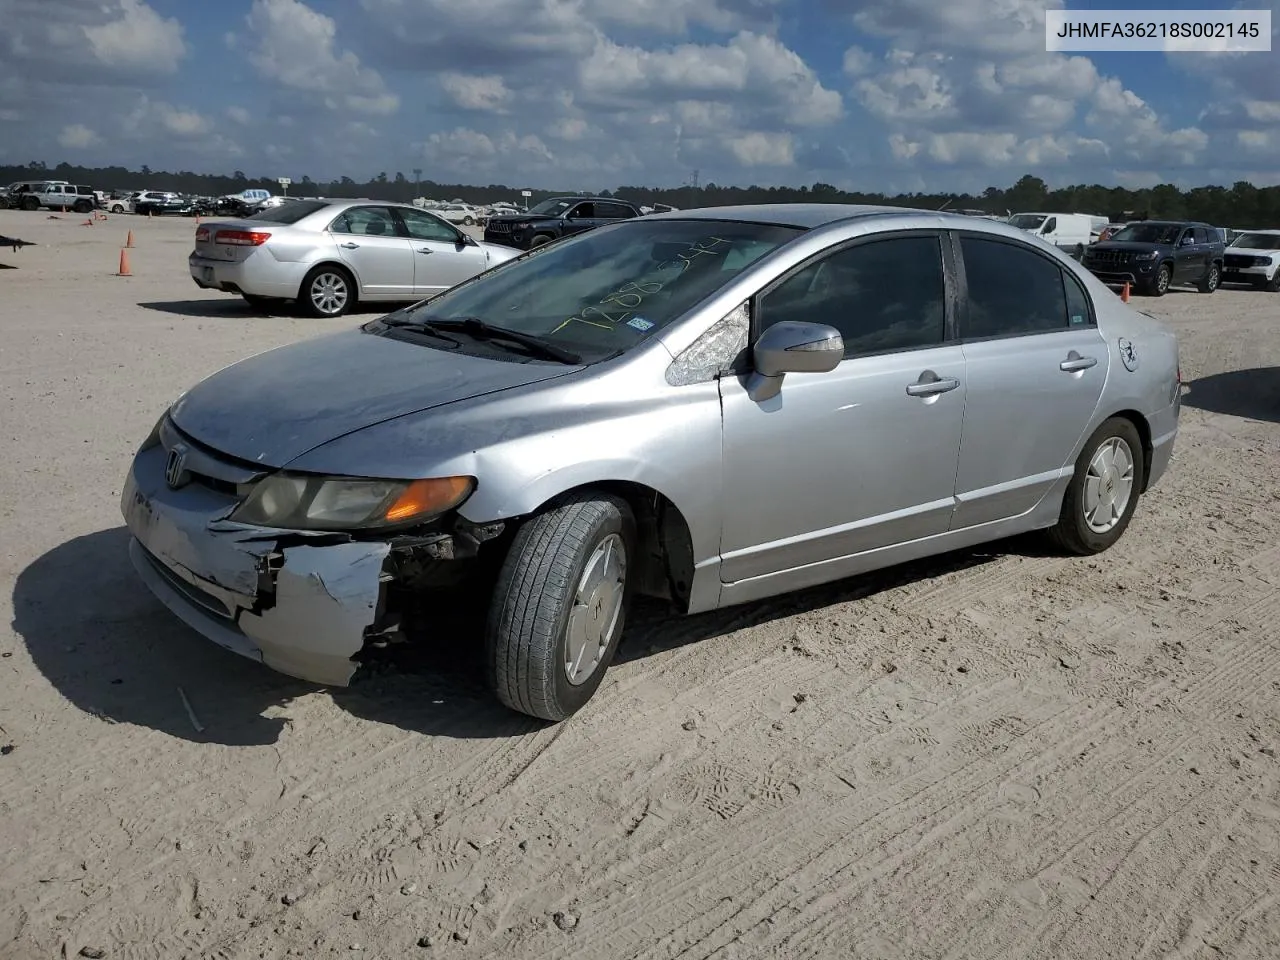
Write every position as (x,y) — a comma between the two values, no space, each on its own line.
(30,203)
(469,221)
(1211,279)
(1274,284)
(1160,285)
(327,291)
(560,605)
(540,240)
(118,208)
(1104,490)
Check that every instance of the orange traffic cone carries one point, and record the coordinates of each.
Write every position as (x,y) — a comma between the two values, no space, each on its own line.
(124,265)
(87,223)
(1124,294)
(129,241)
(148,214)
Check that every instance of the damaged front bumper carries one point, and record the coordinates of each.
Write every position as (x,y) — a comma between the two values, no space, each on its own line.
(304,604)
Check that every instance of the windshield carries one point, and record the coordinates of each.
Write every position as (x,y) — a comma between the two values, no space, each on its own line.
(604,291)
(550,208)
(1257,241)
(1166,233)
(1027,221)
(291,211)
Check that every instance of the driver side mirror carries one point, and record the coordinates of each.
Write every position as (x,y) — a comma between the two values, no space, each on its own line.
(792,346)
(466,240)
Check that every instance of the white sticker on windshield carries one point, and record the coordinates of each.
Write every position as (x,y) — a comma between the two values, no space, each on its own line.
(640,323)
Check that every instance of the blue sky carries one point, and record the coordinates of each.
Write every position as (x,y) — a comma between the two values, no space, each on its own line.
(895,95)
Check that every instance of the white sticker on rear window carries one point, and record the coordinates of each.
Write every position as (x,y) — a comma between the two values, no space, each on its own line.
(640,323)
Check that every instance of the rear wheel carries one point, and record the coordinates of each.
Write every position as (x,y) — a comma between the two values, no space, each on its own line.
(1211,280)
(117,208)
(560,604)
(327,291)
(1104,490)
(82,206)
(469,221)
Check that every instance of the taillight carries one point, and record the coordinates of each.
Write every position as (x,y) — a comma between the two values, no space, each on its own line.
(202,234)
(241,238)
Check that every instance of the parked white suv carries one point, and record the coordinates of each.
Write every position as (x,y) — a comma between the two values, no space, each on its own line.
(460,213)
(1254,257)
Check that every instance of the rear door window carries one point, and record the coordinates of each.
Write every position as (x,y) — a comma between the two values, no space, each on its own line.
(1014,291)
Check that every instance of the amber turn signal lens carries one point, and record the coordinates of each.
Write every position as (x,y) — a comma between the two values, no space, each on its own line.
(427,497)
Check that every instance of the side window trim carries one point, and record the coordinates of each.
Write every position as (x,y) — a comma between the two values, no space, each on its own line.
(950,293)
(962,288)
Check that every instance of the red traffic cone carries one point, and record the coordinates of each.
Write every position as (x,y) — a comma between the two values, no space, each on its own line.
(124,265)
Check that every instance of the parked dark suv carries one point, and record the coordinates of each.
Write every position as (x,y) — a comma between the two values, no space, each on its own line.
(555,218)
(1153,255)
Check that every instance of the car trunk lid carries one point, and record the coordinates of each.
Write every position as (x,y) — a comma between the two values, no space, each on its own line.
(232,240)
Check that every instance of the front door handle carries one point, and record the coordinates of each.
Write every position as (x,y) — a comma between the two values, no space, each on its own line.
(425,250)
(931,388)
(1075,362)
(350,246)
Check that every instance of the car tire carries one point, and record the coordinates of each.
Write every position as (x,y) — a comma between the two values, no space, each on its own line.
(341,291)
(469,221)
(1212,280)
(30,203)
(540,240)
(1274,284)
(568,570)
(81,206)
(1159,285)
(1109,475)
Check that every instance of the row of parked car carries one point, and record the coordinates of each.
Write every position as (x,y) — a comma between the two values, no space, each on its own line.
(1154,255)
(79,198)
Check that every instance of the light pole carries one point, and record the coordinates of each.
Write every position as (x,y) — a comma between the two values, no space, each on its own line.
(417,182)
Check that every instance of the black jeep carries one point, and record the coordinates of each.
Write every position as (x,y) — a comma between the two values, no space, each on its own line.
(1152,255)
(555,218)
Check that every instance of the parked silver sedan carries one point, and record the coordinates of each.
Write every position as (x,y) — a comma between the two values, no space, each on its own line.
(329,254)
(709,406)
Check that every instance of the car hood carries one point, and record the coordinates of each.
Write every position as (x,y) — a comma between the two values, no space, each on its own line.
(273,407)
(1130,247)
(517,218)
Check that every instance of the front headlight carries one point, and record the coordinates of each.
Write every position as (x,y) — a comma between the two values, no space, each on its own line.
(303,502)
(1148,255)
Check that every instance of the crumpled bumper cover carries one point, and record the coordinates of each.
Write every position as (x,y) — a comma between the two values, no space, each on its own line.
(303,604)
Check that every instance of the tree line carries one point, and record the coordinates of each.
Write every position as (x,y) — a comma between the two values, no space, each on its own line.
(1241,205)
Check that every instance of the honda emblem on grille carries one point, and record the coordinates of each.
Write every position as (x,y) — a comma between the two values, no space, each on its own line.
(175,473)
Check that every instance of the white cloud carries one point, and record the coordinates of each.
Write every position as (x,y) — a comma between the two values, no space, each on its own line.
(465,148)
(138,38)
(488,93)
(77,136)
(760,149)
(296,47)
(89,40)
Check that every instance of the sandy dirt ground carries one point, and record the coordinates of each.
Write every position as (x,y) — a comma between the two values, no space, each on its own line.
(996,754)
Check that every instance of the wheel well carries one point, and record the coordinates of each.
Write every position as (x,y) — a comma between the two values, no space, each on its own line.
(664,547)
(355,284)
(1144,433)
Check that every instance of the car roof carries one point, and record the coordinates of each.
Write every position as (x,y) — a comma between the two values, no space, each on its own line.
(1267,232)
(805,215)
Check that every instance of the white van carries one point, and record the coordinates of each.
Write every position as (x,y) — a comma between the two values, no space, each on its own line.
(1071,232)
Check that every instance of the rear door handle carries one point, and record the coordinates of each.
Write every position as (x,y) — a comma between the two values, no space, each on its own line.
(1074,363)
(425,250)
(931,388)
(350,246)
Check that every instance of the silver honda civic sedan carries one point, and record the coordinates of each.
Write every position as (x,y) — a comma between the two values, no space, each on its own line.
(330,254)
(707,406)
